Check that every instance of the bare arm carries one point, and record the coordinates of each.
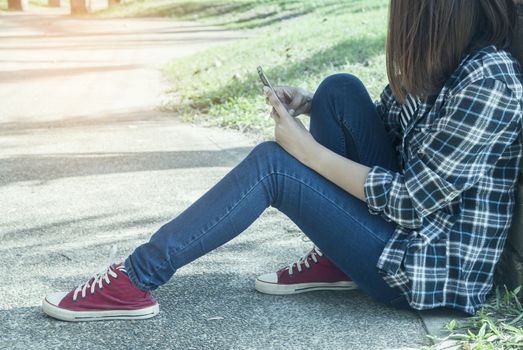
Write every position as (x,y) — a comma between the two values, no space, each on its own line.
(343,172)
(297,140)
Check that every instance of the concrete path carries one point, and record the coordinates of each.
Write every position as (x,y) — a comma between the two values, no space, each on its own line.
(87,162)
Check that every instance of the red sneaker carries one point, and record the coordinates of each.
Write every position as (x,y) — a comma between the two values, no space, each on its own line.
(108,295)
(320,273)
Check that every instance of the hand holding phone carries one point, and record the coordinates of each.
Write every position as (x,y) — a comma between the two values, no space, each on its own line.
(294,99)
(265,81)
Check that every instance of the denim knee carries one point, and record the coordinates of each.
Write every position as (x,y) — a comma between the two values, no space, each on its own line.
(336,85)
(267,150)
(270,158)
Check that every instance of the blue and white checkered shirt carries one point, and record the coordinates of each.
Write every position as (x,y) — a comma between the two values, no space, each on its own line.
(454,197)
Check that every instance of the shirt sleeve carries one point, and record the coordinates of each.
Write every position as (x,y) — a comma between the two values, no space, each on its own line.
(474,128)
(390,120)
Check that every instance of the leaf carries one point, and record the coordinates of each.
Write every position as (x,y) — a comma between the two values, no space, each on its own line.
(452,325)
(492,338)
(482,330)
(516,320)
(506,296)
(510,328)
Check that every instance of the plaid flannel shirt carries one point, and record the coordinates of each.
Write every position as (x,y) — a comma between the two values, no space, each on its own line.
(454,197)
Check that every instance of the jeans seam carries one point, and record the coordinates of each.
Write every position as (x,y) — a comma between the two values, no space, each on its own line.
(343,138)
(352,134)
(189,245)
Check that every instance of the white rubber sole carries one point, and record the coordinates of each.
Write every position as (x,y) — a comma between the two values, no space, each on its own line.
(82,316)
(287,289)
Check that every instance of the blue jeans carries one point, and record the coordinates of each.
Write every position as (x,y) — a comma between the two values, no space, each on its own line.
(344,119)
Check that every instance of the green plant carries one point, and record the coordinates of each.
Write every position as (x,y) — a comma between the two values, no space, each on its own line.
(497,326)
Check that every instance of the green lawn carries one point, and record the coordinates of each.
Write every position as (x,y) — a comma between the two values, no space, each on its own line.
(297,43)
(220,86)
(236,13)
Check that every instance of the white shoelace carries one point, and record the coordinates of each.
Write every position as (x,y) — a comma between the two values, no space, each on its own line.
(98,278)
(305,260)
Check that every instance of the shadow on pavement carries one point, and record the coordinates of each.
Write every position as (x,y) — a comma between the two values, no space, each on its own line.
(32,74)
(45,167)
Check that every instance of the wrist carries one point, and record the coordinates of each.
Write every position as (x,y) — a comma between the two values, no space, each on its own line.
(309,153)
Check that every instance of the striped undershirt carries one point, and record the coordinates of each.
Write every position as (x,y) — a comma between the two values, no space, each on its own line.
(409,109)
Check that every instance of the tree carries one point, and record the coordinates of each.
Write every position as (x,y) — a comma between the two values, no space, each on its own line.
(79,7)
(16,5)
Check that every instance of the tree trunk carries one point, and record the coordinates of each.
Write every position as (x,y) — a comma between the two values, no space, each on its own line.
(54,3)
(16,5)
(79,7)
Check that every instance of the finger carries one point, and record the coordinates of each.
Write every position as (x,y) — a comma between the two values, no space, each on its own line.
(267,102)
(297,101)
(280,92)
(274,115)
(302,109)
(298,121)
(278,106)
(288,94)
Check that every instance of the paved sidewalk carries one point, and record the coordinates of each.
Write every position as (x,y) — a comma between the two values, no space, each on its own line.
(87,162)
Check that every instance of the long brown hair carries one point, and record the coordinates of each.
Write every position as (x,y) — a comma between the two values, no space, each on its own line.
(427,39)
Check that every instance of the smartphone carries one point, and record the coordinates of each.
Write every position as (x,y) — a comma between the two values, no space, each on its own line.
(266,81)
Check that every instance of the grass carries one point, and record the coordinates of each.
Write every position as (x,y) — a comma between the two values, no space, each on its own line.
(497,326)
(220,86)
(234,13)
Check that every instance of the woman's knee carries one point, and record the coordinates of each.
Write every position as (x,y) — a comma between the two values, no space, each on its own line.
(338,85)
(268,152)
(272,159)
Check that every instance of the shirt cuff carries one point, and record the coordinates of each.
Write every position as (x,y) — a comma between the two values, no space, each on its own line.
(376,188)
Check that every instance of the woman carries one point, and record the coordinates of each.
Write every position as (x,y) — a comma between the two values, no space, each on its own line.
(412,197)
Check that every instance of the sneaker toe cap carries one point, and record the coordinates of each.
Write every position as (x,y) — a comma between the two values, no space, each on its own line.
(268,278)
(55,298)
